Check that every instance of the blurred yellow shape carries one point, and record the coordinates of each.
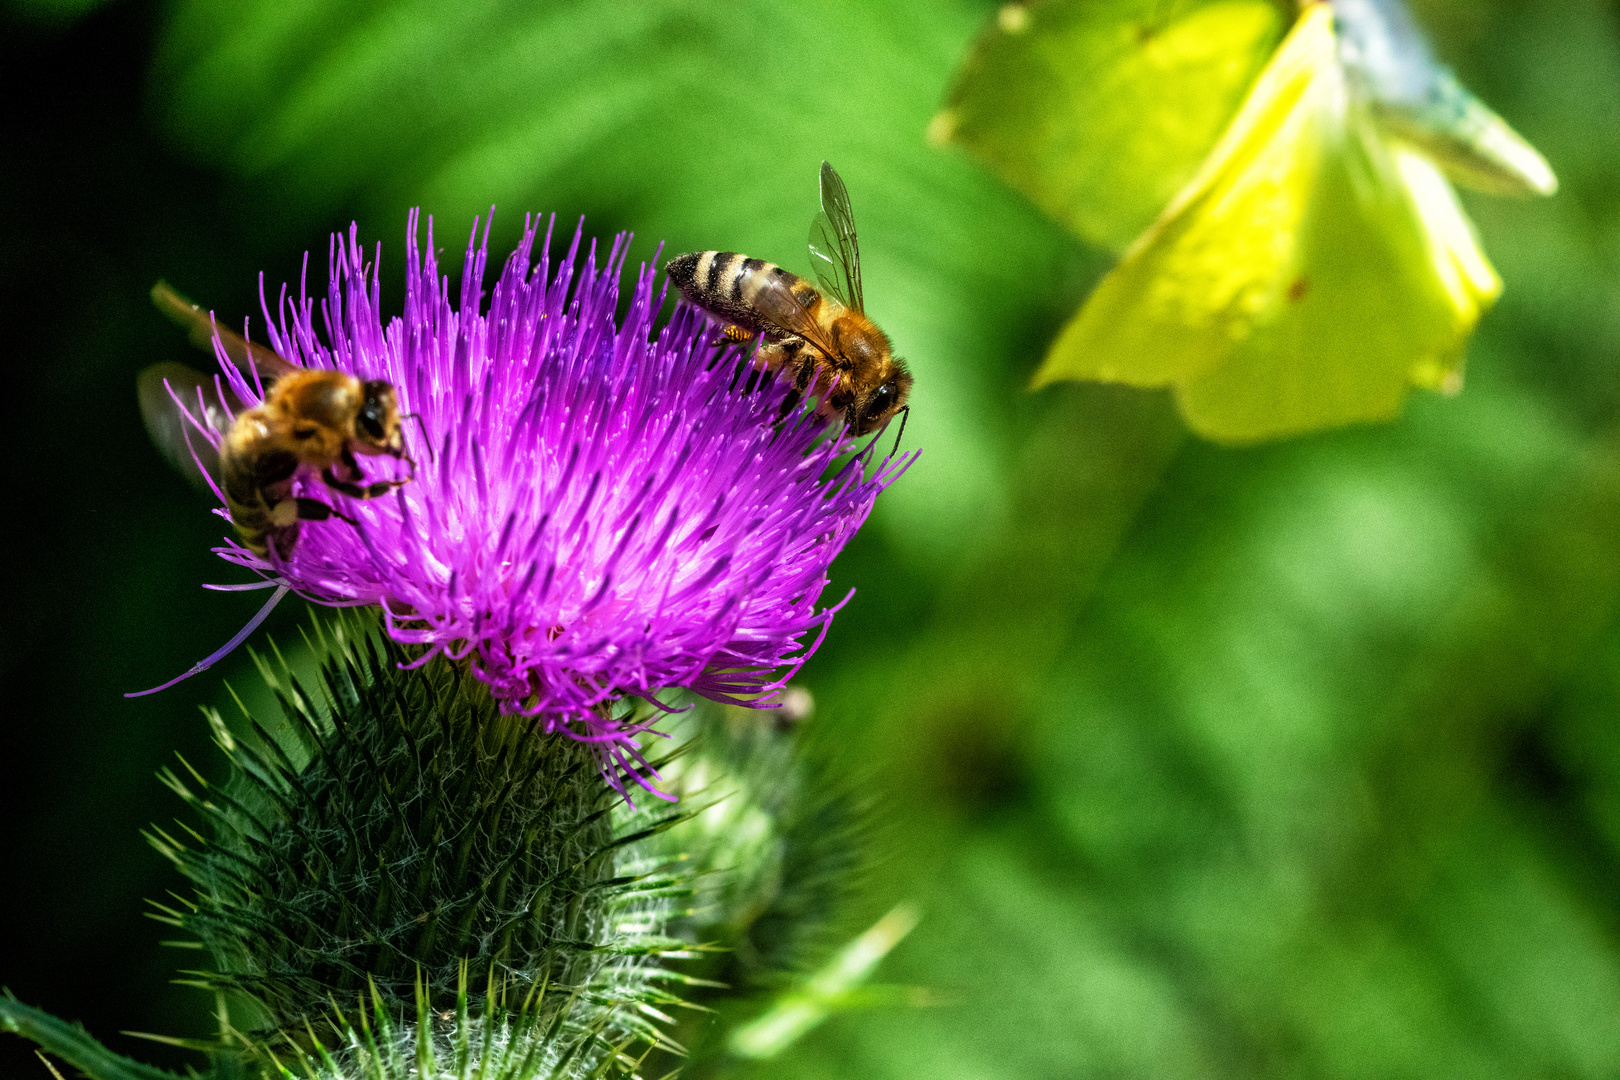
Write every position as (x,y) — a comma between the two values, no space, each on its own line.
(1316,266)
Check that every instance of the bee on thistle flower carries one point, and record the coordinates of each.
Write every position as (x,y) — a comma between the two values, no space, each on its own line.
(605,509)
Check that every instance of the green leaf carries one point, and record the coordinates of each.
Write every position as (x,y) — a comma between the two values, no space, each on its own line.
(1099,110)
(831,987)
(72,1044)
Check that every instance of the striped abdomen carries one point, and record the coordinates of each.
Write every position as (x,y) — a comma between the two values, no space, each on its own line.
(728,284)
(256,473)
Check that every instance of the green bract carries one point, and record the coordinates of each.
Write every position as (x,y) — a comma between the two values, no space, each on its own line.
(394,836)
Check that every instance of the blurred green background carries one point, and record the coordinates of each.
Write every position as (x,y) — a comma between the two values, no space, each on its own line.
(1299,761)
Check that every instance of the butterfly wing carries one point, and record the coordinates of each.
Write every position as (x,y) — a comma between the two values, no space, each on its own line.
(1390,286)
(1199,277)
(1307,276)
(1392,67)
(1100,110)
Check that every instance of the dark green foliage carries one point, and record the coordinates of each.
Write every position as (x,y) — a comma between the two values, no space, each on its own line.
(71,1043)
(390,844)
(402,836)
(500,1040)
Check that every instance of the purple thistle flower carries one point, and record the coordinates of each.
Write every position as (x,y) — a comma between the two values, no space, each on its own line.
(598,511)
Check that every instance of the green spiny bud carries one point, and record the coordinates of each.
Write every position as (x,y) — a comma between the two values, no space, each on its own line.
(775,846)
(403,838)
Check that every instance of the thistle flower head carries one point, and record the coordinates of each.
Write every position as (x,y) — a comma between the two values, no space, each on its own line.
(599,509)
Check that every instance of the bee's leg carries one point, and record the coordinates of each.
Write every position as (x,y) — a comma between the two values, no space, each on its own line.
(789,355)
(806,370)
(351,467)
(356,490)
(774,355)
(754,371)
(315,510)
(803,371)
(361,491)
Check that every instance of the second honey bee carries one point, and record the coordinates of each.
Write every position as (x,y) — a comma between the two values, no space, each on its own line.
(312,421)
(820,337)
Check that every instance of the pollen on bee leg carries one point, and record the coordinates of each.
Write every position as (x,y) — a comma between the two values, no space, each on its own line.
(284,513)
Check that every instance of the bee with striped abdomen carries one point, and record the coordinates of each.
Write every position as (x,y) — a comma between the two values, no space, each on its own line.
(312,420)
(820,337)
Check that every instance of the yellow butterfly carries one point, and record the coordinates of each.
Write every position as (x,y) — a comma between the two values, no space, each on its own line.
(1318,263)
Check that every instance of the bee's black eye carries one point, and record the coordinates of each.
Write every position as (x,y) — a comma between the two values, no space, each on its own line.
(374,411)
(884,398)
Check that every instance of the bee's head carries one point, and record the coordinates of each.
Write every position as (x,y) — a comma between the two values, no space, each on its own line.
(871,411)
(377,427)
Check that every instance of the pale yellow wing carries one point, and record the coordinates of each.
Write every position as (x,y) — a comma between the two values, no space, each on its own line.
(203,329)
(1391,282)
(1221,255)
(1310,274)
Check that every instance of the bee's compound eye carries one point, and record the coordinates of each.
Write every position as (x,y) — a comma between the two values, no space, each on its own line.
(379,400)
(370,423)
(884,399)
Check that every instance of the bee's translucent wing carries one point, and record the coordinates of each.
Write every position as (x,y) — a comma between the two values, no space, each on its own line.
(835,254)
(824,259)
(168,393)
(776,302)
(202,328)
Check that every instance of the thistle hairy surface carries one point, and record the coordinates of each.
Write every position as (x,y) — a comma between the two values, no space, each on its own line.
(398,832)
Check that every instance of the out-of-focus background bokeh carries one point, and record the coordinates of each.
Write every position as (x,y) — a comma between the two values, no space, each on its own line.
(1300,760)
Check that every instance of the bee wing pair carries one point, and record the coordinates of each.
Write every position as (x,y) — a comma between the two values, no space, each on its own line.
(835,254)
(837,261)
(164,388)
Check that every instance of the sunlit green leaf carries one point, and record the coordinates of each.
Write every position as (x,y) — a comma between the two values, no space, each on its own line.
(833,986)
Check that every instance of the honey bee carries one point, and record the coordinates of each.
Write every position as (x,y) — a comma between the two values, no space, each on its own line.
(312,421)
(821,338)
